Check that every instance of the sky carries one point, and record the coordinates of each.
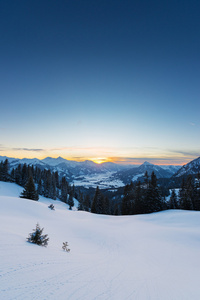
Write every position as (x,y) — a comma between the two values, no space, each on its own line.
(106,80)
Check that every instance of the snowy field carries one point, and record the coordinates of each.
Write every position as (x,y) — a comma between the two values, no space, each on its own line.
(152,257)
(103,180)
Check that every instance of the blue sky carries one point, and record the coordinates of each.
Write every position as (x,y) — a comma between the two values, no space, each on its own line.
(102,80)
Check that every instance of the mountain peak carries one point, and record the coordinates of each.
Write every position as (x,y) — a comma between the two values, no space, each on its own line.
(146,163)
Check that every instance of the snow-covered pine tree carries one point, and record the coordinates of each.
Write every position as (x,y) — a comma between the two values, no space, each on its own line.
(36,237)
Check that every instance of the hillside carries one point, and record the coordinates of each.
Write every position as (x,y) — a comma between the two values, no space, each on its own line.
(141,257)
(193,167)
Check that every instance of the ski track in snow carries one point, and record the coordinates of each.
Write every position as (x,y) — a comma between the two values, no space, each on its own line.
(153,257)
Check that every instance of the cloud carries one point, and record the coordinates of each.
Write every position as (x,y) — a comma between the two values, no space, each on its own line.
(192,124)
(188,154)
(155,160)
(28,149)
(2,148)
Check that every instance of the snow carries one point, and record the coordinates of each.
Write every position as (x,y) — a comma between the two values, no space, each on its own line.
(170,192)
(103,180)
(154,256)
(135,178)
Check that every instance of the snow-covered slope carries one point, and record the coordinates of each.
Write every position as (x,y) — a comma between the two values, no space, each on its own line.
(192,167)
(153,257)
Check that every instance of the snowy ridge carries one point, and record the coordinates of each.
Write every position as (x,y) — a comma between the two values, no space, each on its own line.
(192,167)
(153,256)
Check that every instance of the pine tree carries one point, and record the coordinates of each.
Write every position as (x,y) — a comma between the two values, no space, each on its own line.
(146,179)
(80,206)
(29,191)
(36,237)
(71,201)
(96,202)
(138,207)
(40,188)
(4,166)
(106,208)
(128,199)
(25,174)
(18,175)
(86,203)
(173,200)
(186,196)
(64,190)
(153,201)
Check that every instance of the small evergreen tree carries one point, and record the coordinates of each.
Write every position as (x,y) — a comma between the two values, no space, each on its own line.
(65,247)
(36,237)
(51,206)
(29,191)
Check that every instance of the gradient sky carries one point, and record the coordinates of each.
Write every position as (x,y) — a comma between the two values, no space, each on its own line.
(100,79)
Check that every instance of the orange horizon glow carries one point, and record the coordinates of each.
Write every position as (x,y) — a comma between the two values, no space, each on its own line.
(118,160)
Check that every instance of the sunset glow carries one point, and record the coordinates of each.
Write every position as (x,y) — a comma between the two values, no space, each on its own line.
(105,81)
(99,160)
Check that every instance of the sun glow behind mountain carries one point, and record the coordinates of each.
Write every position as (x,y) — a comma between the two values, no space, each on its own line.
(99,160)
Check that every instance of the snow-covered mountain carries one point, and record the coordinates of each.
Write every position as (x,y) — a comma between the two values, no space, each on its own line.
(90,174)
(153,256)
(135,174)
(171,168)
(192,167)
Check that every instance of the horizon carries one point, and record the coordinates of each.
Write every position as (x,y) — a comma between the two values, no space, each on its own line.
(101,80)
(100,161)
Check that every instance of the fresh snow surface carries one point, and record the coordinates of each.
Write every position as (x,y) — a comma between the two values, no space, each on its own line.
(154,257)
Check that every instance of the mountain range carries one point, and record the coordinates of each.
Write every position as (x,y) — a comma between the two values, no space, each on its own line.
(137,173)
(90,174)
(106,175)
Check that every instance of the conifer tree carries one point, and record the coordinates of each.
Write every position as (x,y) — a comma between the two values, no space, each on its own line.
(71,201)
(146,179)
(80,206)
(173,200)
(153,201)
(186,194)
(86,203)
(36,237)
(40,188)
(138,207)
(97,202)
(4,166)
(64,190)
(29,191)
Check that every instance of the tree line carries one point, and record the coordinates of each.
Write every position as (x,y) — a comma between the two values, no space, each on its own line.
(38,182)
